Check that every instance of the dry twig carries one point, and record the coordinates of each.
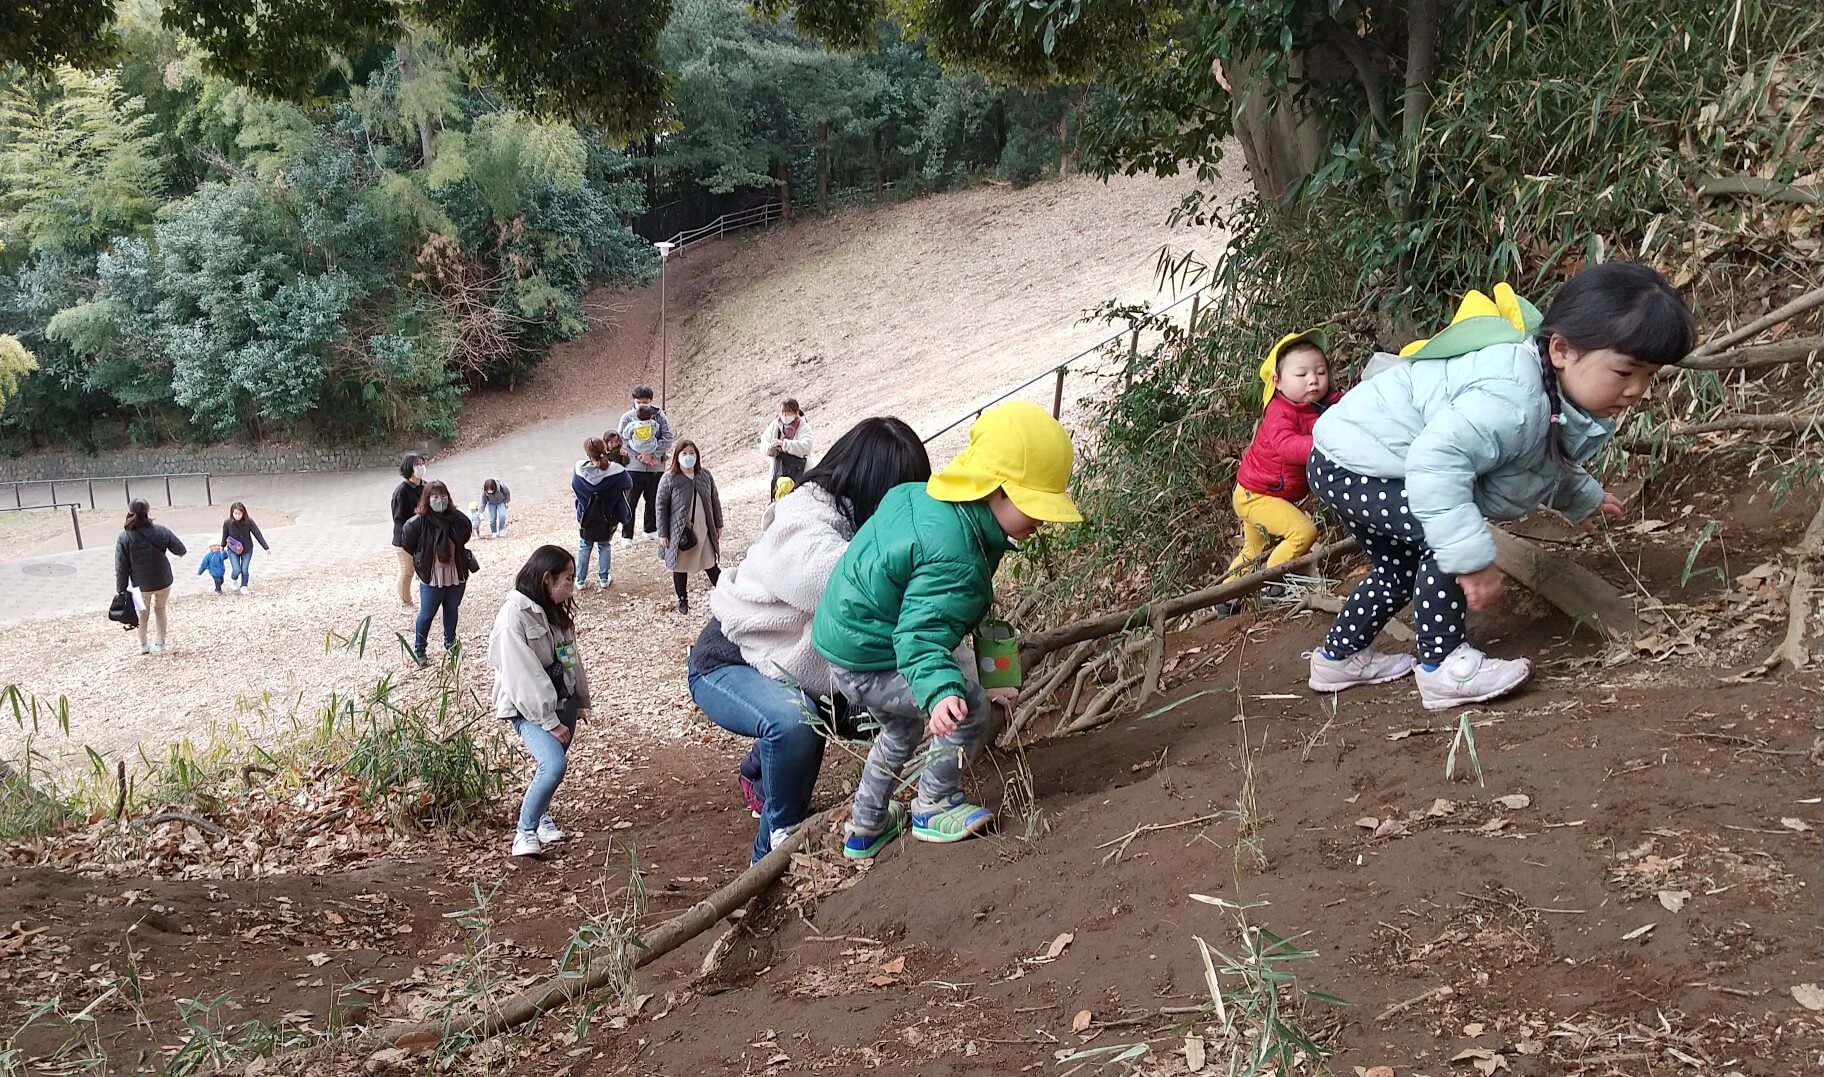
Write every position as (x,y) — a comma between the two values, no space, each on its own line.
(1792,650)
(1808,301)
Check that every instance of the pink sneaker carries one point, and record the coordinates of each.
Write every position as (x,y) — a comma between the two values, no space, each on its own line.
(1469,676)
(1362,667)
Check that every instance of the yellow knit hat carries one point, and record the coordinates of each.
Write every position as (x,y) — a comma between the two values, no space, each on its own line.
(1269,367)
(1017,447)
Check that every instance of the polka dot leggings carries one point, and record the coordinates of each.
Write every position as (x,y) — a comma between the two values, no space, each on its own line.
(1376,513)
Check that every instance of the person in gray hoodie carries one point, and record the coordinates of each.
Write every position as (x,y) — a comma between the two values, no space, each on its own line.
(646,433)
(600,485)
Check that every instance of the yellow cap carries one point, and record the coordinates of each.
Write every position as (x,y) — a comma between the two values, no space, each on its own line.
(1017,447)
(1269,367)
(783,485)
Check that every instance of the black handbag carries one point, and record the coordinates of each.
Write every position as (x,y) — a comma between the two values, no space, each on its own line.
(688,540)
(123,610)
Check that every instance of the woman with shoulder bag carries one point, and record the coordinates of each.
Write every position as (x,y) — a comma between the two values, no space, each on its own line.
(140,558)
(539,683)
(437,538)
(690,521)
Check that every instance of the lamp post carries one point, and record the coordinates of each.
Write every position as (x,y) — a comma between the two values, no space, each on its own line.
(664,247)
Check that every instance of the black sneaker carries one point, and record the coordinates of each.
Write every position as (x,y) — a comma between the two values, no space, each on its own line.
(684,605)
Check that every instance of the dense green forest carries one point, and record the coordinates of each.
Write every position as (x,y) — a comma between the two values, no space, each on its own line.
(189,256)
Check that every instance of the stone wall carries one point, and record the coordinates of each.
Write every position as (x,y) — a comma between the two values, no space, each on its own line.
(219,460)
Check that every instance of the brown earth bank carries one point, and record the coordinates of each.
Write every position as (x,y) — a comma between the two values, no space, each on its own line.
(1629,889)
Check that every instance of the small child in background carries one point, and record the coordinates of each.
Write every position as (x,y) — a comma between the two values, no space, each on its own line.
(215,563)
(475,515)
(1270,481)
(918,577)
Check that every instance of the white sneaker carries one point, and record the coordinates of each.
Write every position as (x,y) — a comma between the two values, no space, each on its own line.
(246,590)
(146,648)
(606,582)
(525,843)
(548,831)
(1363,667)
(159,647)
(1469,676)
(778,836)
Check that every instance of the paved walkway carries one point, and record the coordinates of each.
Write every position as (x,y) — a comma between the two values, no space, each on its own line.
(338,517)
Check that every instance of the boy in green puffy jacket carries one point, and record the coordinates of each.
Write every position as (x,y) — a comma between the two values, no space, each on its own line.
(918,577)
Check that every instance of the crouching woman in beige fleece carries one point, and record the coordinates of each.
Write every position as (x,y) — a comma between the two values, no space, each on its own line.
(539,682)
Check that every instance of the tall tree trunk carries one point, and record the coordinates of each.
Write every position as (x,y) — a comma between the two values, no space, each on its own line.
(1064,143)
(1280,141)
(1421,61)
(785,190)
(880,182)
(408,71)
(1000,128)
(823,167)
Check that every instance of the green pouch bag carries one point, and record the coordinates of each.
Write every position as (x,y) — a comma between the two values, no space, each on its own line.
(997,654)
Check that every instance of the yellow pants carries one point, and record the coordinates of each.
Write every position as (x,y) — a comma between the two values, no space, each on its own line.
(1264,517)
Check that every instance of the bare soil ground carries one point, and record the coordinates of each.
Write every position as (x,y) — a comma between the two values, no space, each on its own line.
(1629,891)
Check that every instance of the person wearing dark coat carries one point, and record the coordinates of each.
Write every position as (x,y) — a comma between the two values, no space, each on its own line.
(600,485)
(405,505)
(239,533)
(437,541)
(141,558)
(689,502)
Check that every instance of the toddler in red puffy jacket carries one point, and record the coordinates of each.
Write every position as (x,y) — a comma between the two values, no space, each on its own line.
(1295,379)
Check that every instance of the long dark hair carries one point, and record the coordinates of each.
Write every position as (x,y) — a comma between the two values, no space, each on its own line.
(547,561)
(445,548)
(1620,306)
(246,517)
(678,450)
(876,455)
(139,514)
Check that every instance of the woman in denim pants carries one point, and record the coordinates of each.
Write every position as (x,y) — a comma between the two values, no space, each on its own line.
(753,670)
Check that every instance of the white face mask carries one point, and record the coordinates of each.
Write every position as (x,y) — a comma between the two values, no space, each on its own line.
(440,504)
(417,471)
(687,461)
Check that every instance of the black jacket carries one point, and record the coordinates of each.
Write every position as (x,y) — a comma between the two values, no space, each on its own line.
(244,531)
(405,506)
(139,557)
(421,536)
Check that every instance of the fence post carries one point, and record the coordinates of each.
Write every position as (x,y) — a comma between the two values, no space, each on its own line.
(208,493)
(1190,329)
(19,504)
(1133,345)
(91,494)
(76,525)
(1057,396)
(126,486)
(167,491)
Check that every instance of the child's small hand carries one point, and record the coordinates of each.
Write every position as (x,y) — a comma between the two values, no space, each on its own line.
(1611,508)
(1006,697)
(1481,589)
(947,715)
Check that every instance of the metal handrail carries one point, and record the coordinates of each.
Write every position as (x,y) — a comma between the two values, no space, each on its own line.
(73,506)
(126,482)
(763,214)
(1058,370)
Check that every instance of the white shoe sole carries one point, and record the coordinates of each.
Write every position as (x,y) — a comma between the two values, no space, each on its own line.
(1345,686)
(1464,701)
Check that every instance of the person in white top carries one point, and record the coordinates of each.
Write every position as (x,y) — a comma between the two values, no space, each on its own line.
(787,442)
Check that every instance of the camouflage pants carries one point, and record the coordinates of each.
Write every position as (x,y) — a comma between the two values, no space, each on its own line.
(888,697)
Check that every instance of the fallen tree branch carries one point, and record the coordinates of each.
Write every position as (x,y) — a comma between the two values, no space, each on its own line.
(1808,301)
(1396,630)
(1756,187)
(1030,704)
(557,990)
(1101,708)
(1039,644)
(1798,603)
(1796,350)
(196,821)
(1763,424)
(1583,595)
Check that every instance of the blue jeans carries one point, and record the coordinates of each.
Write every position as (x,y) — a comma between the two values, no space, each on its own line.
(583,546)
(551,757)
(238,564)
(497,516)
(430,600)
(743,700)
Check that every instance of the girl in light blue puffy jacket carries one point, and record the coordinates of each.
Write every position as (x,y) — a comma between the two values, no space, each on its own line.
(1491,419)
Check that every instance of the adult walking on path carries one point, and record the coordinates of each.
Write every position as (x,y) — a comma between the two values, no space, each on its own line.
(494,499)
(141,557)
(437,539)
(600,484)
(690,521)
(646,435)
(787,442)
(239,533)
(753,670)
(406,497)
